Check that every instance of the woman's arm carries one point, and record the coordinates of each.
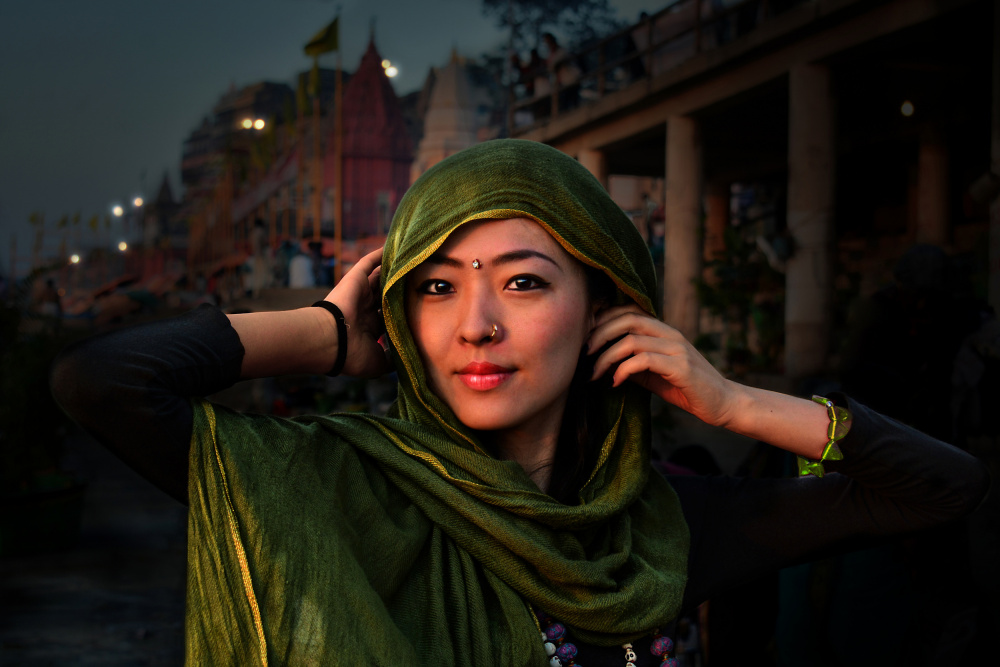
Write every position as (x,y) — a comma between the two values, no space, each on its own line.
(659,358)
(893,480)
(131,388)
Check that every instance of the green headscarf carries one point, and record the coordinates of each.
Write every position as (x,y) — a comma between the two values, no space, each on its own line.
(398,540)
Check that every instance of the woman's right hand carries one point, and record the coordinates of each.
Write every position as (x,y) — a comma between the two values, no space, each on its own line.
(358,297)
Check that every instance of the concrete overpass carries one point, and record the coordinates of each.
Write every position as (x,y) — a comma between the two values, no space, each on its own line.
(801,92)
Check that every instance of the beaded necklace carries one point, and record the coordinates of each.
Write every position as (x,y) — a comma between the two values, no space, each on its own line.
(562,653)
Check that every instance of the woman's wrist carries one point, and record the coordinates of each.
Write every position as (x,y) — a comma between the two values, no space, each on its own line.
(794,424)
(338,317)
(739,405)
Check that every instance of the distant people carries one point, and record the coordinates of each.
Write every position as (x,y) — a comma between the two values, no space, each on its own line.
(286,252)
(49,303)
(537,71)
(669,37)
(563,71)
(321,273)
(522,76)
(533,77)
(640,36)
(300,271)
(257,268)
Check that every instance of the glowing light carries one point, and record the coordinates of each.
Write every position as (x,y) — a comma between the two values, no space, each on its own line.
(74,259)
(137,202)
(118,211)
(247,123)
(391,71)
(258,124)
(907,108)
(122,246)
(386,64)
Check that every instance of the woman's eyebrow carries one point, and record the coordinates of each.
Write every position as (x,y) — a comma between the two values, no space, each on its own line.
(518,255)
(443,260)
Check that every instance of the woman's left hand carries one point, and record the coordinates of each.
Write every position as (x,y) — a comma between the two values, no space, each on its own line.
(659,358)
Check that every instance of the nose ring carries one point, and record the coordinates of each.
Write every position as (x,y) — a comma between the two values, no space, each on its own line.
(494,333)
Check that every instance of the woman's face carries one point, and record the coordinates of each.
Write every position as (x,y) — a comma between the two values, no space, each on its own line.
(536,295)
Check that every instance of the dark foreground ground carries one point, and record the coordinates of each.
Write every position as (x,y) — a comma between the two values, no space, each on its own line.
(117,597)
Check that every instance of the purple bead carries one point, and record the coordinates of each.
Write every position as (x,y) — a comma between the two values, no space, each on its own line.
(661,646)
(671,662)
(555,631)
(566,652)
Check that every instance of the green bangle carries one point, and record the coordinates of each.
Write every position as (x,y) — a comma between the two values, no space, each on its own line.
(840,424)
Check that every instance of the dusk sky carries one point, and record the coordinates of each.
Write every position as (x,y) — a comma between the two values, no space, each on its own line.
(97,97)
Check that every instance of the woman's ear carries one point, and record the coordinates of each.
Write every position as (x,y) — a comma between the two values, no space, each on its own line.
(596,308)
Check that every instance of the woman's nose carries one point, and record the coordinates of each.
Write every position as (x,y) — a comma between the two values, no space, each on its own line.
(480,323)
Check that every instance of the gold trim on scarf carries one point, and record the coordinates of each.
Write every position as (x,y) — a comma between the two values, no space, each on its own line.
(234,531)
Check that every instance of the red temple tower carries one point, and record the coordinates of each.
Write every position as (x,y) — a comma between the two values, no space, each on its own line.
(377,151)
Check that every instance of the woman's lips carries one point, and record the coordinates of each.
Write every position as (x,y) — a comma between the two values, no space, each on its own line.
(483,376)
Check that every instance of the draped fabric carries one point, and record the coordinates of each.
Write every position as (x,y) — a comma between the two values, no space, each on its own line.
(400,540)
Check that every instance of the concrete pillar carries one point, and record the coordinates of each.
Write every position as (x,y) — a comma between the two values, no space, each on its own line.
(682,239)
(596,163)
(716,218)
(811,161)
(932,188)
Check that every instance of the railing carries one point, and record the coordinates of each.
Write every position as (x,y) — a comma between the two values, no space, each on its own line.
(656,44)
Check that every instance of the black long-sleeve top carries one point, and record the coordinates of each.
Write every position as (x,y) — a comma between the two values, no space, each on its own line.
(892,480)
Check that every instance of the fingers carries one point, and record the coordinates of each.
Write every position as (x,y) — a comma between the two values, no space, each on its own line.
(624,320)
(617,311)
(649,368)
(369,262)
(636,352)
(638,344)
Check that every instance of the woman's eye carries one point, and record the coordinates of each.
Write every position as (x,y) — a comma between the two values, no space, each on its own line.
(435,287)
(524,283)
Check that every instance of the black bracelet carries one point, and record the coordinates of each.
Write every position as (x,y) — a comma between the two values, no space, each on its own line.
(341,335)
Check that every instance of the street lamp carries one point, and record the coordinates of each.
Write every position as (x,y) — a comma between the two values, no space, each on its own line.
(74,259)
(137,202)
(118,211)
(122,246)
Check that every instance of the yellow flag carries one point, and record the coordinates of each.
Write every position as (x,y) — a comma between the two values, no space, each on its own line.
(314,78)
(93,222)
(324,41)
(63,221)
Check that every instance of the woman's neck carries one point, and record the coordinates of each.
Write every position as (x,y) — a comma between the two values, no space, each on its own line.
(534,452)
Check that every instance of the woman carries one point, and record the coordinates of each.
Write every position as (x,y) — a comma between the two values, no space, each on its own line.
(508,492)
